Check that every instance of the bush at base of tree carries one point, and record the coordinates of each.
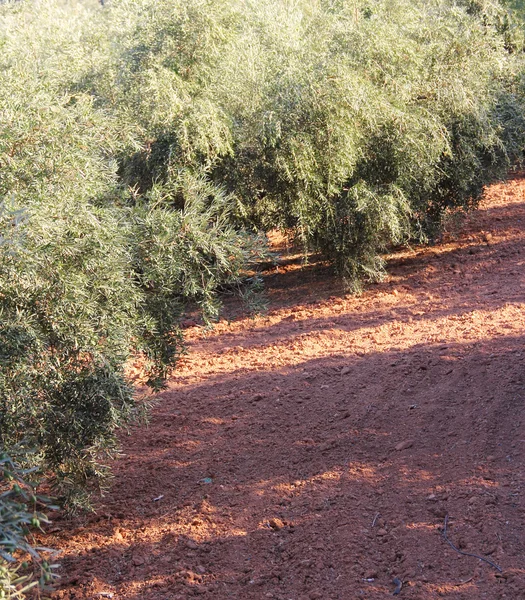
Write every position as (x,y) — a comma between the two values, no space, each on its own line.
(24,567)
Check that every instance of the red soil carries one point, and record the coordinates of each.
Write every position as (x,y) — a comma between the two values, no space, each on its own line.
(315,452)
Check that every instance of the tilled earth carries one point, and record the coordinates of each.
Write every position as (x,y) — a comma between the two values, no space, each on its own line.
(316,452)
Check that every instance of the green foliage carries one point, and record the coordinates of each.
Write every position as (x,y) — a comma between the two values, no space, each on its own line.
(186,250)
(355,125)
(517,11)
(91,270)
(23,566)
(67,300)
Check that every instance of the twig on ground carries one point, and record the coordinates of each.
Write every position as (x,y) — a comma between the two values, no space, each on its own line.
(467,553)
(375,519)
(463,582)
(399,585)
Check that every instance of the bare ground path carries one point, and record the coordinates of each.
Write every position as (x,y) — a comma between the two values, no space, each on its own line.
(315,452)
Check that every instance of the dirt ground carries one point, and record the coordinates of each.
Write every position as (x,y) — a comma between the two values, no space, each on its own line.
(316,452)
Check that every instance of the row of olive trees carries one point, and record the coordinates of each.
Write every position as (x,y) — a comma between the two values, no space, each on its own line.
(352,125)
(91,271)
(144,144)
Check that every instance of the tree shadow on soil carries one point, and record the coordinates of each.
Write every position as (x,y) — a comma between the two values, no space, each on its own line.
(449,280)
(322,480)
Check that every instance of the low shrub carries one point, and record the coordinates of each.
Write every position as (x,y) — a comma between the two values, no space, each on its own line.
(23,565)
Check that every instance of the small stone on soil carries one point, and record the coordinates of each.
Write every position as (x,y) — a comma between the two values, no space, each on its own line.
(276,524)
(404,445)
